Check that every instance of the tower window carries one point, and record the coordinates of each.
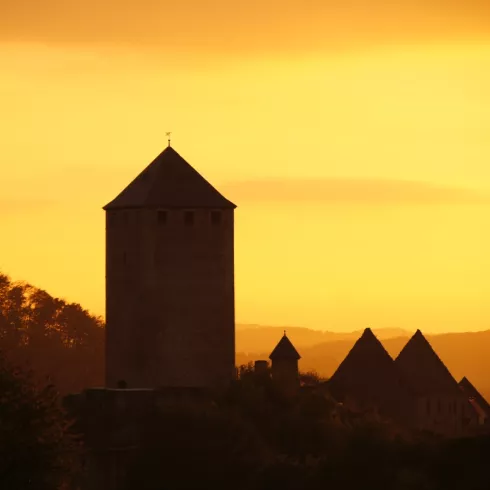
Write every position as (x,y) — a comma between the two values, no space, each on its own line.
(124,258)
(125,217)
(189,217)
(162,217)
(215,217)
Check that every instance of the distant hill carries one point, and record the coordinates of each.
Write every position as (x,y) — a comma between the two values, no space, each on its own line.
(64,343)
(465,354)
(250,338)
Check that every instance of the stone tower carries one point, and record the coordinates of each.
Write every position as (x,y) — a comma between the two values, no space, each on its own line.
(284,367)
(170,280)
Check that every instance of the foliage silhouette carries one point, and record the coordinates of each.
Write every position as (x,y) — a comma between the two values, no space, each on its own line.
(35,451)
(61,342)
(185,447)
(250,439)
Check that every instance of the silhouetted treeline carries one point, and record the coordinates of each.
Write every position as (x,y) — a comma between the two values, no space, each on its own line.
(249,439)
(36,447)
(61,342)
(252,439)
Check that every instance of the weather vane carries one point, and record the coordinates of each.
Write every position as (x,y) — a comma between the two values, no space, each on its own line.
(168,133)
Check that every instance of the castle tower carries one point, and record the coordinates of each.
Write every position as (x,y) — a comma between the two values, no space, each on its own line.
(170,319)
(284,366)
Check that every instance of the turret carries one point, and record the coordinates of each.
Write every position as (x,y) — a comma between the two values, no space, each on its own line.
(284,368)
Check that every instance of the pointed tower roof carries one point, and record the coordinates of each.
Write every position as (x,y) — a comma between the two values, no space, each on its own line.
(423,368)
(369,376)
(284,350)
(169,182)
(471,392)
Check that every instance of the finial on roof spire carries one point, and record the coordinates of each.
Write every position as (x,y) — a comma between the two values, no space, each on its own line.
(284,333)
(168,133)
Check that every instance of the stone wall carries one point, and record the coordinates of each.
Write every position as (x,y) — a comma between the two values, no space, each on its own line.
(170,298)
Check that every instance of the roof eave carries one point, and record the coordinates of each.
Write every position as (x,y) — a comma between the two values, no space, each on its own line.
(113,207)
(276,357)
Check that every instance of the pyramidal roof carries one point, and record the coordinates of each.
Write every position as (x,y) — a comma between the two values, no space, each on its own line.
(366,359)
(169,182)
(423,368)
(284,350)
(368,374)
(471,392)
(368,351)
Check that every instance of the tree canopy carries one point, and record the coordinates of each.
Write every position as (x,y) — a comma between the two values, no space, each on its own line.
(35,450)
(252,440)
(60,341)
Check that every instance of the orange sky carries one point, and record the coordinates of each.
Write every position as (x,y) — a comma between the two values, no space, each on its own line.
(352,135)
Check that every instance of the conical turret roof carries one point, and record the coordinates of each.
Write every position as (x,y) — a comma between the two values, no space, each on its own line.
(284,350)
(423,368)
(369,376)
(169,182)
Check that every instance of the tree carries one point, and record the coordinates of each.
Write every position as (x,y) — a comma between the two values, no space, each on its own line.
(55,339)
(33,445)
(187,446)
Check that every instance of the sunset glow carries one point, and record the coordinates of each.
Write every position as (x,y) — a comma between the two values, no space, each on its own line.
(354,141)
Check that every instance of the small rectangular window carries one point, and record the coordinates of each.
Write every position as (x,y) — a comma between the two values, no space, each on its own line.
(125,217)
(124,258)
(189,217)
(162,217)
(215,217)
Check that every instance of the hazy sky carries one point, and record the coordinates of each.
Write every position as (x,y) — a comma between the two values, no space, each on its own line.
(353,135)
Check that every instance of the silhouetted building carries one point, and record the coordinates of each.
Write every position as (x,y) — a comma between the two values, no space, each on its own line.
(284,367)
(368,380)
(440,405)
(114,423)
(416,391)
(170,319)
(170,329)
